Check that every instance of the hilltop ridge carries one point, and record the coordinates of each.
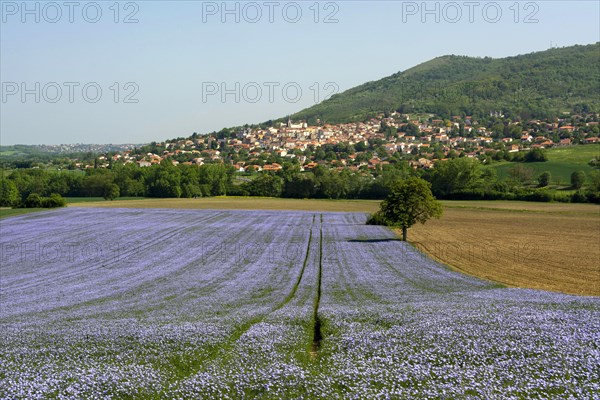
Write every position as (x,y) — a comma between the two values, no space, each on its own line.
(535,85)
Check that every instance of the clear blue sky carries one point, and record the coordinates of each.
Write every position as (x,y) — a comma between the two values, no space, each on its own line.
(178,56)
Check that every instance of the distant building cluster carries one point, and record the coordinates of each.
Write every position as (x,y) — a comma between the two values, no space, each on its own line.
(420,139)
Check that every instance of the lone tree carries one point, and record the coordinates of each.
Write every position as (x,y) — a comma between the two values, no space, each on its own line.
(577,179)
(410,201)
(544,179)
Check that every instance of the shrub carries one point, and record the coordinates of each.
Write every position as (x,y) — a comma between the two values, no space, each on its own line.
(577,179)
(562,197)
(538,195)
(536,155)
(579,197)
(34,200)
(544,179)
(520,193)
(111,192)
(55,200)
(593,197)
(377,219)
(500,187)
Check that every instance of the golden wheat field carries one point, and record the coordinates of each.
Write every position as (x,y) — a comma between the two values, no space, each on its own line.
(543,246)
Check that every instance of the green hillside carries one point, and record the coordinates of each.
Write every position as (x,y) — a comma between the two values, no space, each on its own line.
(541,85)
(562,162)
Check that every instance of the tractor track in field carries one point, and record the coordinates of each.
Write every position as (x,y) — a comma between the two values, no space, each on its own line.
(289,297)
(301,275)
(227,345)
(317,334)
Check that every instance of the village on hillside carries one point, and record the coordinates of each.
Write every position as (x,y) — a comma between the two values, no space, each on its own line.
(421,140)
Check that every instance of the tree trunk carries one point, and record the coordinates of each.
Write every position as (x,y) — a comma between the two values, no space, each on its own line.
(404,232)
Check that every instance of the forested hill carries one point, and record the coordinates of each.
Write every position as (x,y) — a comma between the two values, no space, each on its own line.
(536,85)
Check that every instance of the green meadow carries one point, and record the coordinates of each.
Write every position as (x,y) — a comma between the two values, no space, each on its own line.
(562,162)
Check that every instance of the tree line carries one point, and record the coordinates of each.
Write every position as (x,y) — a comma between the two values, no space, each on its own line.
(461,178)
(163,181)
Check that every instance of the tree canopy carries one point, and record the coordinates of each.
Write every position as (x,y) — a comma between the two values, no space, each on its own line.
(410,201)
